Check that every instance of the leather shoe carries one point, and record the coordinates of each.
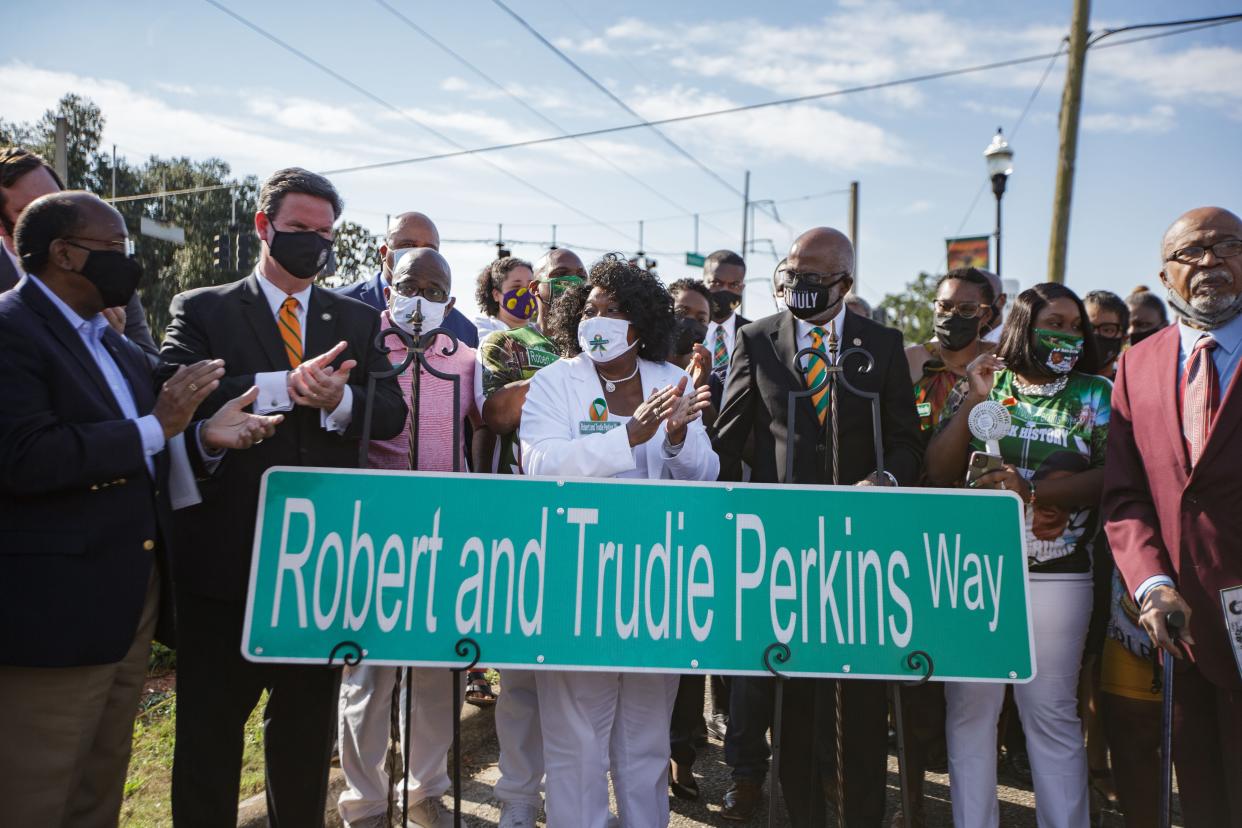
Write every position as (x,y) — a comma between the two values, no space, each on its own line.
(682,782)
(741,800)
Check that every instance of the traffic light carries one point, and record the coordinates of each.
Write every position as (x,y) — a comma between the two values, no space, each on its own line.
(222,252)
(245,251)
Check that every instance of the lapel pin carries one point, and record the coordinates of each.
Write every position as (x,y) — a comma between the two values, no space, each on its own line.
(327,317)
(857,341)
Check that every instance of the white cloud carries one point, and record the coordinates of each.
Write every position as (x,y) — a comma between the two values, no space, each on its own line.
(303,114)
(1158,119)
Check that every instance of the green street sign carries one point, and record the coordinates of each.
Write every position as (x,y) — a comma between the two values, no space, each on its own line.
(638,575)
(695,259)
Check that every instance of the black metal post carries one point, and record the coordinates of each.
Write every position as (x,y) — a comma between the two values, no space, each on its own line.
(1174,621)
(779,653)
(998,189)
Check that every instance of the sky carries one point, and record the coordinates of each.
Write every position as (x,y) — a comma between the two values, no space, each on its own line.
(1161,120)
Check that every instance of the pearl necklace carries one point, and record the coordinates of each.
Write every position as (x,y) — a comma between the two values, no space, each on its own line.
(1048,389)
(611,385)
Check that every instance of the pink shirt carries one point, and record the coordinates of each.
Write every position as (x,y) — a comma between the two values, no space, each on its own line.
(435,431)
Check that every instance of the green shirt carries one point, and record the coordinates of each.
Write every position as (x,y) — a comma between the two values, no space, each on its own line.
(1053,437)
(509,356)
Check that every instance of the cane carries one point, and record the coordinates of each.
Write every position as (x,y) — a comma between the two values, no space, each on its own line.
(1175,620)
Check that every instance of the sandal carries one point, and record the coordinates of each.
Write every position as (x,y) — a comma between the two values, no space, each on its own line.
(478,690)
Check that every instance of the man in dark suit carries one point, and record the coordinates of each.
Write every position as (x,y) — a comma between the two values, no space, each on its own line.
(1171,496)
(724,274)
(84,474)
(764,371)
(24,177)
(310,352)
(408,230)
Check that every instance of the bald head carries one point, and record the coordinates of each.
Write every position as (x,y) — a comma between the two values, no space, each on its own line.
(407,230)
(423,262)
(818,273)
(559,262)
(1214,221)
(822,250)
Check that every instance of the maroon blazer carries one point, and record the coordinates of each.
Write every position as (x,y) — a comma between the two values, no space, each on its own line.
(1162,517)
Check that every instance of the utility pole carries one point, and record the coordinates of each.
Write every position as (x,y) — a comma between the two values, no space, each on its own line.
(553,247)
(62,149)
(642,253)
(854,227)
(114,172)
(745,213)
(696,232)
(1071,104)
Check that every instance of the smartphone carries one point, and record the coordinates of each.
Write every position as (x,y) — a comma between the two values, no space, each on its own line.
(980,464)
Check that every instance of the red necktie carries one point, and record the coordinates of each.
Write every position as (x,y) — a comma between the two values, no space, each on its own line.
(1200,397)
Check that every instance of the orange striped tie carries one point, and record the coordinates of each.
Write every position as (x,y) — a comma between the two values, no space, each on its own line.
(290,331)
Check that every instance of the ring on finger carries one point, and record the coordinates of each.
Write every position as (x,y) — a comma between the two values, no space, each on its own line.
(193,387)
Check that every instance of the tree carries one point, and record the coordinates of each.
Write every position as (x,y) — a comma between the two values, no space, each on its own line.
(356,253)
(911,311)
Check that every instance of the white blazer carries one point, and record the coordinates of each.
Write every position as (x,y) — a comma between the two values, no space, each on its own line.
(560,438)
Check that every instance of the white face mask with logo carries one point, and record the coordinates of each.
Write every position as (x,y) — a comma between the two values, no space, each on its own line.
(603,338)
(403,307)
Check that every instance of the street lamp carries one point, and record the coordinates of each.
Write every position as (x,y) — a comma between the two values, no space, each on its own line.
(999,156)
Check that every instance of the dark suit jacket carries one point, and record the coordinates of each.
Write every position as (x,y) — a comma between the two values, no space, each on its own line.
(9,276)
(81,520)
(235,323)
(371,292)
(761,375)
(1161,516)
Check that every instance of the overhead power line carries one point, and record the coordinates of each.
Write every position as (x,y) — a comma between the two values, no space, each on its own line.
(403,114)
(715,113)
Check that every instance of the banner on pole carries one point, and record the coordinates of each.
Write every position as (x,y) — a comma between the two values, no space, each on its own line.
(655,576)
(968,251)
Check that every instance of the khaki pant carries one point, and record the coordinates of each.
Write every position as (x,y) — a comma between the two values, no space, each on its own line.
(67,733)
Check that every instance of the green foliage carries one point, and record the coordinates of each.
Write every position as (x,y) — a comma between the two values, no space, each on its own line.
(357,255)
(161,659)
(911,310)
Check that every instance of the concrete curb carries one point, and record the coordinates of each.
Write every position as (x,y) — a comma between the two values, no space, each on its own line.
(477,723)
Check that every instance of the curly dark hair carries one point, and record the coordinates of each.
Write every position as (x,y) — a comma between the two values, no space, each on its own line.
(492,277)
(695,285)
(641,296)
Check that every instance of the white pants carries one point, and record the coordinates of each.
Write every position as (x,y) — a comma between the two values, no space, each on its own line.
(1048,707)
(521,742)
(366,695)
(590,719)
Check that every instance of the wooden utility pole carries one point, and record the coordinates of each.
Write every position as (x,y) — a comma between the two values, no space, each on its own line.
(745,214)
(1071,104)
(854,227)
(62,149)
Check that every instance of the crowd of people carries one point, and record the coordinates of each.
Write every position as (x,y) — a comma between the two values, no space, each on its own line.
(130,473)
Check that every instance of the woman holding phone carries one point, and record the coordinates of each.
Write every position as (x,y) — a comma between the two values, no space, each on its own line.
(1052,458)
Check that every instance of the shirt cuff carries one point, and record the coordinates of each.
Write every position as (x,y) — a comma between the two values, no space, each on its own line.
(1150,584)
(152,434)
(341,416)
(668,450)
(273,392)
(211,458)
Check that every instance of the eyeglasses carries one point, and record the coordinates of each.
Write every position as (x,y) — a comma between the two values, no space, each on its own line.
(431,294)
(125,245)
(789,278)
(966,310)
(1195,253)
(1108,330)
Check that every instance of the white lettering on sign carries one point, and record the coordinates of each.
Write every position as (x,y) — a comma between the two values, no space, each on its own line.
(949,574)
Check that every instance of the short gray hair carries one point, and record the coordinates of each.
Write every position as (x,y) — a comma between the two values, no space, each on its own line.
(297,180)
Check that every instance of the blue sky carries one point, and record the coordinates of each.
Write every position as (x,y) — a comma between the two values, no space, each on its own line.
(1162,120)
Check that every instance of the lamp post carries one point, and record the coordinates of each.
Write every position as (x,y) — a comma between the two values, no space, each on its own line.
(999,156)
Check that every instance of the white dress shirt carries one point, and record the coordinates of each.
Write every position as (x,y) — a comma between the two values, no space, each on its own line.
(838,326)
(274,385)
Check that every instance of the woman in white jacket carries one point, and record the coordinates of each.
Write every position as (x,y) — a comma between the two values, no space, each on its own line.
(612,408)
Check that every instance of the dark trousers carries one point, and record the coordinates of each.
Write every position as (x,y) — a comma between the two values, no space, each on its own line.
(750,716)
(687,721)
(720,696)
(1133,731)
(809,762)
(1207,730)
(216,691)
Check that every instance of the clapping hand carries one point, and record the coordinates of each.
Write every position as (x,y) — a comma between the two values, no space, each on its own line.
(685,409)
(651,412)
(316,384)
(182,393)
(116,318)
(700,365)
(233,428)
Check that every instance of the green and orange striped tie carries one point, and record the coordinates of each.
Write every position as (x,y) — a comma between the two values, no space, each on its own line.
(720,355)
(817,372)
(290,331)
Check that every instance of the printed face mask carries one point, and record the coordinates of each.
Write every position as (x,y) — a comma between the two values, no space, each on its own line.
(724,302)
(519,303)
(603,338)
(1057,351)
(807,301)
(955,332)
(403,308)
(303,254)
(688,332)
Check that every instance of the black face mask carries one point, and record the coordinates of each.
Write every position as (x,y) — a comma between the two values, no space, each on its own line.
(114,275)
(724,303)
(302,254)
(1136,338)
(687,333)
(807,301)
(956,332)
(1110,348)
